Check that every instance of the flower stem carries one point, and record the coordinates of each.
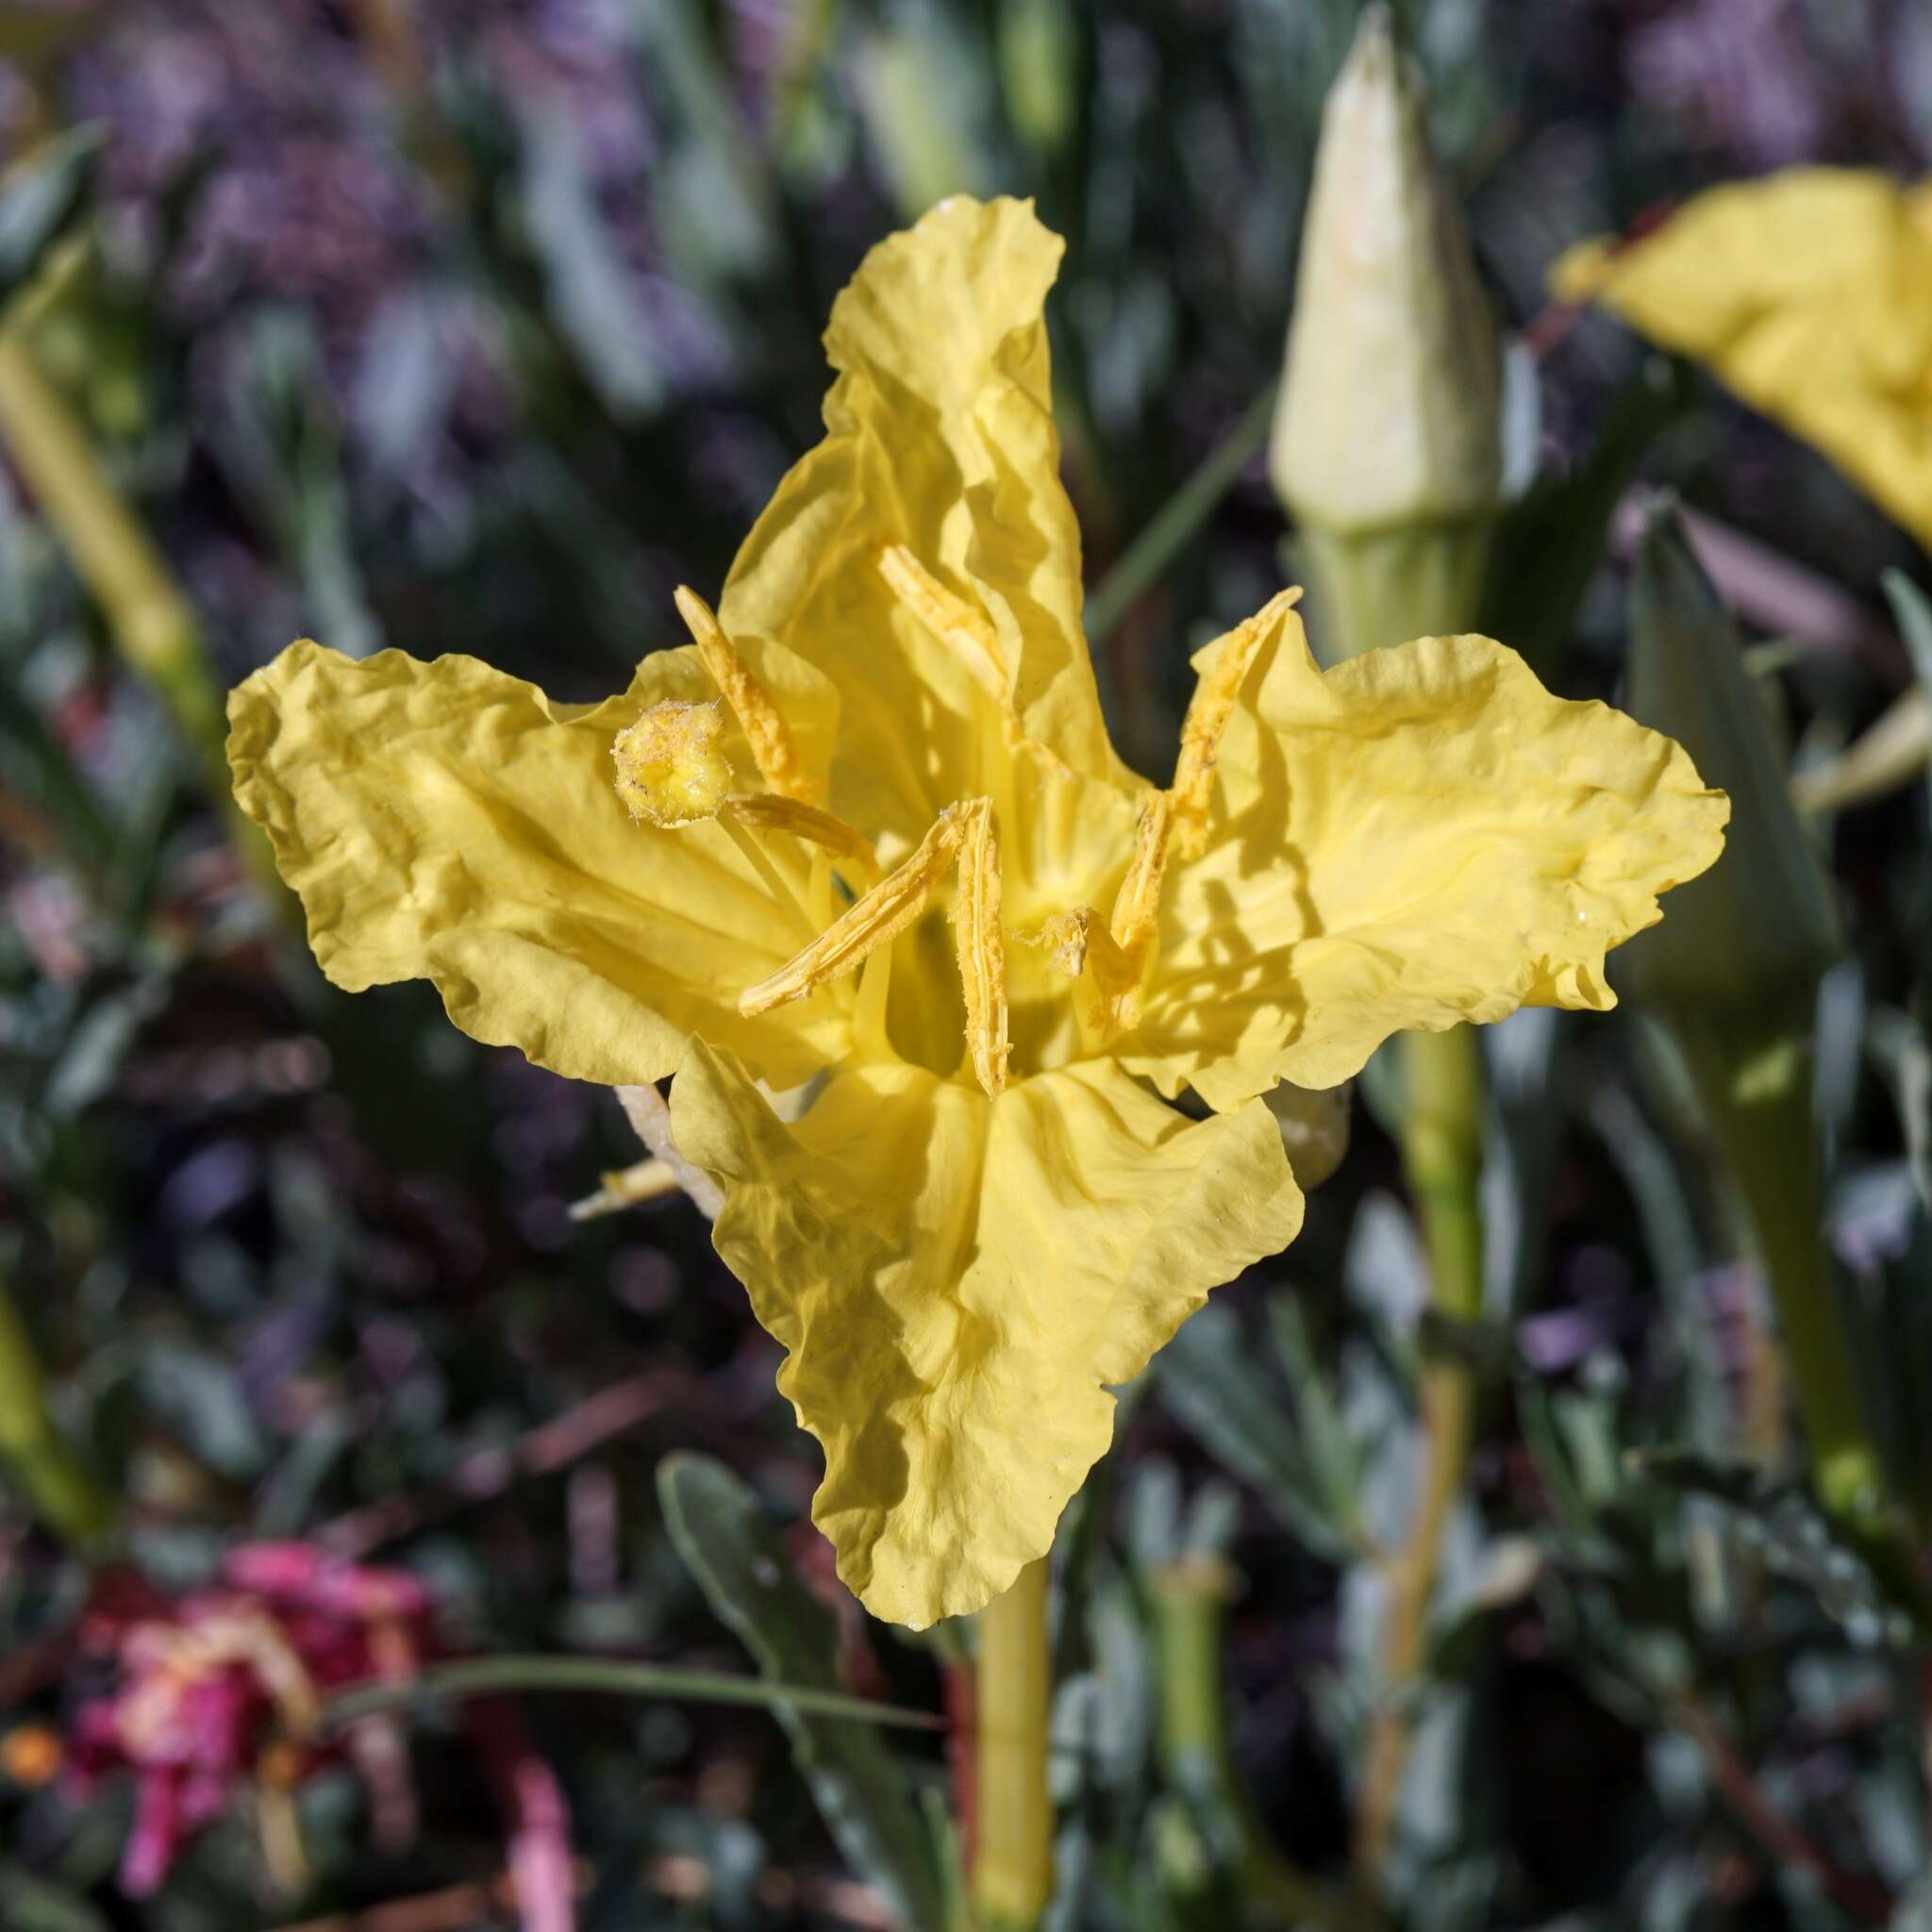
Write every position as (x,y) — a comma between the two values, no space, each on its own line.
(57,1482)
(1372,589)
(1752,1079)
(149,619)
(1190,1610)
(1443,1155)
(1012,1854)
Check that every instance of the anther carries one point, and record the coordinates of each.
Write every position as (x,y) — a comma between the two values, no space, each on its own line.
(1079,939)
(981,948)
(964,626)
(1136,905)
(669,771)
(1207,714)
(850,849)
(764,727)
(877,919)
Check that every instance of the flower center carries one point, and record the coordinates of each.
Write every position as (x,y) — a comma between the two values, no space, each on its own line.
(671,773)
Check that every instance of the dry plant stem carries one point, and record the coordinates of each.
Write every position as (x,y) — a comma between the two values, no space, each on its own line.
(1442,1156)
(1859,1897)
(62,1489)
(150,621)
(1012,1857)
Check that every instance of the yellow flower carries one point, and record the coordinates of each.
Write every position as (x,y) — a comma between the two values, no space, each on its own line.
(1810,293)
(928,881)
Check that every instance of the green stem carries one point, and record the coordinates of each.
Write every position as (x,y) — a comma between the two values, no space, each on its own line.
(1371,588)
(1752,1077)
(1441,1149)
(53,1477)
(1012,1854)
(149,619)
(483,1676)
(1191,1608)
(1143,563)
(1374,588)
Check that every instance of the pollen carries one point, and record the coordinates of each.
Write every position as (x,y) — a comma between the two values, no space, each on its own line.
(876,920)
(669,771)
(771,747)
(981,948)
(1207,714)
(963,626)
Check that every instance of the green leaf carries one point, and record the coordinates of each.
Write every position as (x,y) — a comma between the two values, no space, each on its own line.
(1857,1584)
(478,1676)
(1210,1382)
(1761,925)
(1549,543)
(39,196)
(1914,618)
(731,1548)
(29,1902)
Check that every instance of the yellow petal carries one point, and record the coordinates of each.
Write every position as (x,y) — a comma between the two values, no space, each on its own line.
(1422,836)
(940,439)
(443,821)
(1809,294)
(957,1279)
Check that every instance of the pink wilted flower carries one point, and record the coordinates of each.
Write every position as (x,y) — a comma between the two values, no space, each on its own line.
(225,1685)
(219,1692)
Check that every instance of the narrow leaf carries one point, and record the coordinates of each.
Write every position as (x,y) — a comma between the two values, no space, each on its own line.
(731,1548)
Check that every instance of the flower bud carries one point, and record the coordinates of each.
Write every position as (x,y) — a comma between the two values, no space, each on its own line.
(1759,929)
(1390,409)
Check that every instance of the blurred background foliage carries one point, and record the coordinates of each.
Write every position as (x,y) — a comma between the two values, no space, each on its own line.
(480,325)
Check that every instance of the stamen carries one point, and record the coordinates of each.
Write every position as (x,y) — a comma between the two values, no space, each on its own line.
(981,948)
(669,771)
(1207,714)
(876,920)
(764,726)
(1136,905)
(769,812)
(964,626)
(1076,940)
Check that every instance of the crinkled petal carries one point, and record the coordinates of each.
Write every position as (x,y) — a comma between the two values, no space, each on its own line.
(1422,836)
(1809,294)
(443,821)
(956,1280)
(940,438)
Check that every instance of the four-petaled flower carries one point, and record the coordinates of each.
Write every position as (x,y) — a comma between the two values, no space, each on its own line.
(868,831)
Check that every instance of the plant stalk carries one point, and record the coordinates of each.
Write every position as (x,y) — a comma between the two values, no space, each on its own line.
(1442,1156)
(1190,1611)
(1012,1853)
(1378,587)
(1753,1079)
(54,1477)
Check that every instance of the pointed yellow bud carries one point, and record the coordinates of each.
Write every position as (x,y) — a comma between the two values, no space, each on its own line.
(1390,410)
(669,771)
